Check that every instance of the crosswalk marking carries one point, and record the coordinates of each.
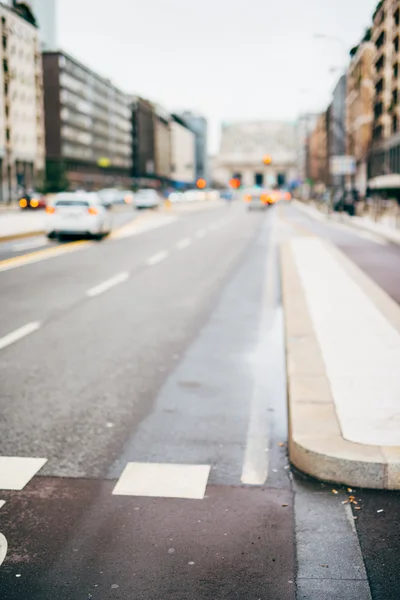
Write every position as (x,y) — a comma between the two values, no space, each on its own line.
(16,471)
(158,480)
(2,503)
(3,548)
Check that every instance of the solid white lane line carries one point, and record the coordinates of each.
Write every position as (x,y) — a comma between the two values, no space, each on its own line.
(18,334)
(108,284)
(16,471)
(156,258)
(183,243)
(159,480)
(29,245)
(201,233)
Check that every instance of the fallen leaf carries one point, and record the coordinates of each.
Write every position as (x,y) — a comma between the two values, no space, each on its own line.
(284,505)
(281,444)
(345,502)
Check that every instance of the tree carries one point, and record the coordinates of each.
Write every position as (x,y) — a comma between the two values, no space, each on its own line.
(56,178)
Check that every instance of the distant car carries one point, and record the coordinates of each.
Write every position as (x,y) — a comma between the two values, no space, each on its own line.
(147,198)
(112,196)
(77,214)
(259,198)
(32,200)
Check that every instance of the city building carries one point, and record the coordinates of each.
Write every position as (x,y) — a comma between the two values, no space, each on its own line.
(385,156)
(183,153)
(22,140)
(143,146)
(336,133)
(162,144)
(244,146)
(88,126)
(318,153)
(198,124)
(360,110)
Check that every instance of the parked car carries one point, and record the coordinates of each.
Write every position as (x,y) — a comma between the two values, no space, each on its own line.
(77,214)
(260,199)
(32,200)
(147,198)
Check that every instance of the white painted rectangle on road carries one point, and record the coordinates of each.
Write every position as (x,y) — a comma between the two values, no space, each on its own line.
(18,334)
(183,243)
(2,503)
(158,480)
(157,258)
(17,471)
(108,284)
(201,233)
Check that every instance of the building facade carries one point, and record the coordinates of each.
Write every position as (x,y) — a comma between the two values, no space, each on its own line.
(318,149)
(88,127)
(384,157)
(143,146)
(162,143)
(244,146)
(360,111)
(183,153)
(22,139)
(336,123)
(198,124)
(305,125)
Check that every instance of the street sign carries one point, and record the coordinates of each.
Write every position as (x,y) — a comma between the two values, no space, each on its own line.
(343,165)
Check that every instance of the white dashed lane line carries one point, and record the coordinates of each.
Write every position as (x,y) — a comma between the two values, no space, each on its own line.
(183,243)
(18,334)
(157,258)
(108,284)
(201,233)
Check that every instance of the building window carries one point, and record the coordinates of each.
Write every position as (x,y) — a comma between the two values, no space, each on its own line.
(8,134)
(378,109)
(395,124)
(396,17)
(377,134)
(379,86)
(5,65)
(381,40)
(396,43)
(381,63)
(396,70)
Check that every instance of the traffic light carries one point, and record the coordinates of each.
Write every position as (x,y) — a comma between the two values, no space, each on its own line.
(235,183)
(267,160)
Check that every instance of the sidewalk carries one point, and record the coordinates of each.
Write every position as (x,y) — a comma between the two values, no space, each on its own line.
(343,356)
(389,233)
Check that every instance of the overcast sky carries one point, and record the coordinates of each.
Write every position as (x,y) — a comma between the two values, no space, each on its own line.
(229,59)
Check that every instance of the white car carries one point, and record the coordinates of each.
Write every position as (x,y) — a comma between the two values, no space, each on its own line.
(77,213)
(147,198)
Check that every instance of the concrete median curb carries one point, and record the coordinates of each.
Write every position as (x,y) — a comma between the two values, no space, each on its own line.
(316,444)
(21,235)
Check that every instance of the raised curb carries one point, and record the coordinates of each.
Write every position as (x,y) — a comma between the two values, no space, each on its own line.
(22,235)
(316,445)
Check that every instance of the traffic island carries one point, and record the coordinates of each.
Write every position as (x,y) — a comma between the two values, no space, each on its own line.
(343,412)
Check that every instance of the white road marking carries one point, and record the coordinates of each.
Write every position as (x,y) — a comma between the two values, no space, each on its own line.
(156,258)
(18,334)
(255,464)
(163,481)
(2,503)
(108,284)
(29,245)
(17,471)
(359,345)
(201,233)
(183,243)
(40,255)
(3,548)
(141,225)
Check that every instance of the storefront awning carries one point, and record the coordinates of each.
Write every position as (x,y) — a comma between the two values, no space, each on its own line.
(385,182)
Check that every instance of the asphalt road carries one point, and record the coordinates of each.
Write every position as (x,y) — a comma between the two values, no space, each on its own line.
(163,345)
